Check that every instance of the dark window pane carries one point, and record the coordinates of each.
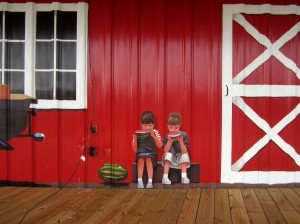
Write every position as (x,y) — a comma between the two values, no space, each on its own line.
(1,54)
(45,25)
(15,80)
(1,17)
(66,25)
(66,86)
(15,25)
(44,85)
(14,55)
(44,55)
(66,55)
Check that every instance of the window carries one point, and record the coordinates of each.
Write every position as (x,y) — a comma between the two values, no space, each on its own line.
(13,50)
(40,45)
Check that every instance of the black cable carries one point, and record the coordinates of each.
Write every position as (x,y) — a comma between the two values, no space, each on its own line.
(37,204)
(92,81)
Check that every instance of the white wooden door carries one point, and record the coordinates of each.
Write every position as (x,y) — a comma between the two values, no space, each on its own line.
(235,92)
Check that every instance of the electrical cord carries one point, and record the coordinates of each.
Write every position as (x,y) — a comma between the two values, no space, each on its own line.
(37,204)
(92,90)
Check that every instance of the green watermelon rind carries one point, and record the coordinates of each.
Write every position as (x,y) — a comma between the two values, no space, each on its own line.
(142,135)
(113,173)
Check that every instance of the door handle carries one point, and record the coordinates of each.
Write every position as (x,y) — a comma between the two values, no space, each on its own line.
(227,91)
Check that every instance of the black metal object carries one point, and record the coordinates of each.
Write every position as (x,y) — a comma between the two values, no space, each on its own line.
(14,116)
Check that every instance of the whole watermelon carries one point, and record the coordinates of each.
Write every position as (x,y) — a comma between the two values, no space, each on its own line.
(114,173)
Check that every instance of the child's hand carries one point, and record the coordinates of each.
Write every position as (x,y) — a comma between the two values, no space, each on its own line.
(180,139)
(134,142)
(183,147)
(152,134)
(170,139)
(134,137)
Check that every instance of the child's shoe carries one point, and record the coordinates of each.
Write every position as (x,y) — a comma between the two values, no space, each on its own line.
(185,180)
(165,180)
(140,184)
(149,185)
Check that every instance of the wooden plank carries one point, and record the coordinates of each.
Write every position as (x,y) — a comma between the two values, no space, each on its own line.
(297,190)
(254,210)
(90,204)
(9,192)
(270,208)
(71,205)
(238,208)
(156,209)
(222,207)
(14,210)
(102,197)
(107,209)
(83,206)
(189,209)
(5,190)
(206,207)
(118,213)
(61,217)
(174,206)
(293,197)
(51,206)
(286,208)
(139,209)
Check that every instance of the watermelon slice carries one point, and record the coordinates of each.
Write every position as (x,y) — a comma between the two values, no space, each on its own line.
(174,135)
(142,134)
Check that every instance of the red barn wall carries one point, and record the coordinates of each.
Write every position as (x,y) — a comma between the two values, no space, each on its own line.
(154,55)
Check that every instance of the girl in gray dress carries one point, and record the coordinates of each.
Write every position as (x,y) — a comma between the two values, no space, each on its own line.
(145,146)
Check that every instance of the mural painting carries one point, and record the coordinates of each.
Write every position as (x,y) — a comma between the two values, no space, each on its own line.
(82,73)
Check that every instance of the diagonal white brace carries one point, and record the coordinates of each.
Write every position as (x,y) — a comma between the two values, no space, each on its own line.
(271,134)
(272,49)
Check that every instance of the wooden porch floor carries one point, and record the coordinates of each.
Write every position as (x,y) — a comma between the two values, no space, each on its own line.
(116,205)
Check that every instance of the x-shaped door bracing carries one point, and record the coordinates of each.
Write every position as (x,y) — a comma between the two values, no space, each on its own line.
(235,91)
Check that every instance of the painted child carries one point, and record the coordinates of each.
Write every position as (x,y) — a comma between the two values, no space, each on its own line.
(176,145)
(146,148)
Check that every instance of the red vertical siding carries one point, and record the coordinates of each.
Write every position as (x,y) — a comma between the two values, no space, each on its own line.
(157,65)
(143,55)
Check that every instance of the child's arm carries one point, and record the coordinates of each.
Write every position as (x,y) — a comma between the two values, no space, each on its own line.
(182,145)
(157,138)
(134,142)
(169,144)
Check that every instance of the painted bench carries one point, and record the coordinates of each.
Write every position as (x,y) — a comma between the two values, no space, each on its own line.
(193,173)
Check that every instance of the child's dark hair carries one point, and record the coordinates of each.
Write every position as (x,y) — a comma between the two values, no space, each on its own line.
(174,118)
(147,118)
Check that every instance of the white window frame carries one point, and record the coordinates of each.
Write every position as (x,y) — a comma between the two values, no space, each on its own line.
(31,10)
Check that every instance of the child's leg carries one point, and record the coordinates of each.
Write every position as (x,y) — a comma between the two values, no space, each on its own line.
(184,178)
(183,167)
(165,179)
(140,164)
(149,166)
(166,167)
(140,169)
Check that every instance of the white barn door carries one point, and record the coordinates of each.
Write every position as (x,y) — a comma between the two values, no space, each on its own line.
(235,94)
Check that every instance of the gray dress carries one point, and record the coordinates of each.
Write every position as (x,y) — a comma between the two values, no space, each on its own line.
(175,156)
(146,148)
